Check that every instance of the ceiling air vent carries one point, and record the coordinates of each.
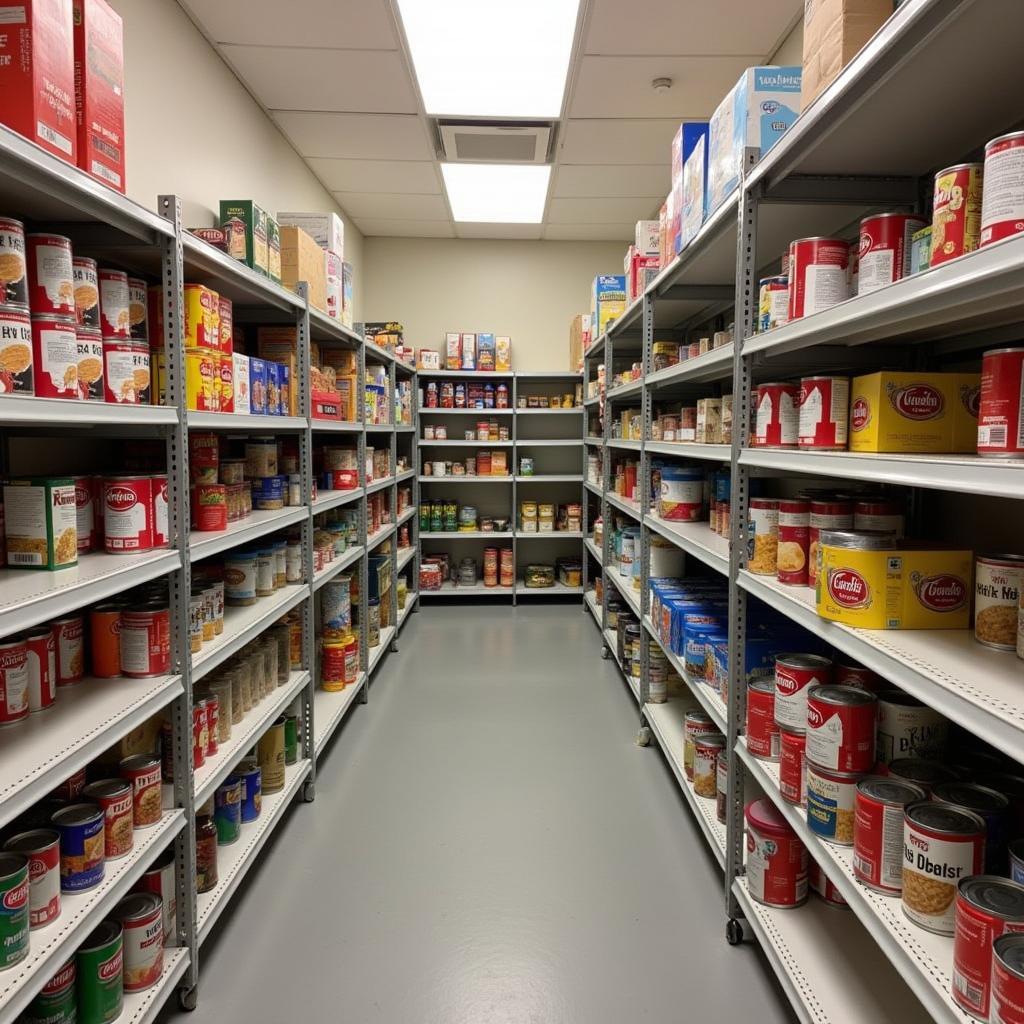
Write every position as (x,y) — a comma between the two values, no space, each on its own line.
(494,142)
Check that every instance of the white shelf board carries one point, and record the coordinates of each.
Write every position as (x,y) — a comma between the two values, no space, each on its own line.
(405,556)
(970,474)
(691,450)
(379,485)
(631,508)
(550,535)
(713,365)
(611,642)
(574,411)
(404,428)
(408,514)
(29,411)
(547,374)
(625,444)
(329,710)
(624,587)
(467,412)
(594,488)
(234,861)
(549,478)
(666,722)
(329,328)
(465,374)
(593,549)
(924,959)
(377,536)
(697,539)
(405,474)
(378,652)
(336,426)
(976,686)
(143,1007)
(244,624)
(466,535)
(827,964)
(622,391)
(379,428)
(448,589)
(206,264)
(709,700)
(31,596)
(257,524)
(244,423)
(40,753)
(464,479)
(410,603)
(423,443)
(341,562)
(558,590)
(244,736)
(326,500)
(51,945)
(549,442)
(597,442)
(590,599)
(374,351)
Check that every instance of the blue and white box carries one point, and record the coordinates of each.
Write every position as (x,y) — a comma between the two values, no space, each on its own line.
(694,191)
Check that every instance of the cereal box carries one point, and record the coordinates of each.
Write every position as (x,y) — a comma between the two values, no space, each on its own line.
(99,91)
(913,412)
(607,301)
(646,240)
(453,351)
(37,73)
(485,351)
(469,351)
(503,354)
(685,141)
(694,192)
(245,225)
(333,276)
(40,515)
(278,344)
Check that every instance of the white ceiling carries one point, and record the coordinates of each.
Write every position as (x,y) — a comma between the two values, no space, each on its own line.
(336,78)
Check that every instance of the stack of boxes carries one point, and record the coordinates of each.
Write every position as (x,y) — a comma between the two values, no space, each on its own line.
(607,301)
(301,262)
(642,259)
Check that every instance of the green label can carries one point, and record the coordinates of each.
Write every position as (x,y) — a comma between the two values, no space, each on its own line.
(227,813)
(13,909)
(100,966)
(56,1003)
(291,739)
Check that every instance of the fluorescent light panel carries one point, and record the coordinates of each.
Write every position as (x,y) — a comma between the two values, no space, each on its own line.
(491,58)
(497,193)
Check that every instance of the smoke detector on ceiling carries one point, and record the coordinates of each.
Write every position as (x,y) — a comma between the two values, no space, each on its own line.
(661,85)
(495,142)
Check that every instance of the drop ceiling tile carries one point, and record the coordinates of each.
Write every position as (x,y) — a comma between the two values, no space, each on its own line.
(582,180)
(413,177)
(392,206)
(304,78)
(602,211)
(406,228)
(354,24)
(589,232)
(625,141)
(475,230)
(621,86)
(355,136)
(668,27)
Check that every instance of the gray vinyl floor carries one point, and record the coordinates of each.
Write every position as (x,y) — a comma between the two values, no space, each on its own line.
(487,846)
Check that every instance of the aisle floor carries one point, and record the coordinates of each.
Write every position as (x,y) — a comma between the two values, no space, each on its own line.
(487,846)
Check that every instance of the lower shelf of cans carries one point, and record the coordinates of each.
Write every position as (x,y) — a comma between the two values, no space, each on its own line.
(924,959)
(51,945)
(235,860)
(611,642)
(143,1007)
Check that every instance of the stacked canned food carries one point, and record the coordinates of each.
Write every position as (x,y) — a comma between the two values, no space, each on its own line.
(378,511)
(334,532)
(485,430)
(438,568)
(545,517)
(484,463)
(445,516)
(625,473)
(450,394)
(339,634)
(706,421)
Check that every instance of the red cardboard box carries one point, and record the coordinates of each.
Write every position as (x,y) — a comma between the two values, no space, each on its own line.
(37,73)
(99,91)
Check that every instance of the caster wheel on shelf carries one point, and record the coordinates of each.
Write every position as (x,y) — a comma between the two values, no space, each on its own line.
(605,653)
(734,932)
(643,737)
(394,646)
(309,792)
(188,998)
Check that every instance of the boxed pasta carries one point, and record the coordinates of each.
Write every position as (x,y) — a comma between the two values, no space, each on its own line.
(485,352)
(503,354)
(40,518)
(453,351)
(469,351)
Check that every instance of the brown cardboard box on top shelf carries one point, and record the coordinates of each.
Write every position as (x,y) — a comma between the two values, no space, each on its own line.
(578,328)
(453,351)
(503,354)
(835,31)
(303,260)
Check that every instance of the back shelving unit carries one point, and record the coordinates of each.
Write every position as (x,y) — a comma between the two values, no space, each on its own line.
(38,755)
(548,436)
(867,144)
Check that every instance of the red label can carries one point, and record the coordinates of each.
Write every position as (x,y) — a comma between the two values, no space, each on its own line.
(1008,979)
(199,735)
(776,419)
(85,513)
(160,511)
(878,831)
(825,515)
(1001,409)
(1002,201)
(90,364)
(818,275)
(143,772)
(138,308)
(114,797)
(793,766)
(145,642)
(128,514)
(105,640)
(956,212)
(882,516)
(13,277)
(115,320)
(212,703)
(16,377)
(986,907)
(69,647)
(226,377)
(762,730)
(55,357)
(142,918)
(824,413)
(14,683)
(794,543)
(87,292)
(776,858)
(41,656)
(127,373)
(159,880)
(841,728)
(884,252)
(42,847)
(50,277)
(824,886)
(794,674)
(849,673)
(209,507)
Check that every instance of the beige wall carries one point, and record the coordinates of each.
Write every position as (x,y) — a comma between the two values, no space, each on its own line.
(527,290)
(192,129)
(791,50)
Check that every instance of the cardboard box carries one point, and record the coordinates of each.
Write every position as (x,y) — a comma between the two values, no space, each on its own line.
(646,240)
(345,386)
(913,412)
(333,278)
(245,225)
(37,74)
(453,351)
(240,382)
(326,229)
(273,250)
(687,137)
(280,345)
(469,351)
(428,359)
(99,91)
(607,300)
(503,354)
(694,195)
(754,115)
(386,334)
(642,271)
(835,31)
(303,260)
(485,354)
(347,309)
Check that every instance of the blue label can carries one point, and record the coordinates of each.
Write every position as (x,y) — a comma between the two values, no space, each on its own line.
(81,846)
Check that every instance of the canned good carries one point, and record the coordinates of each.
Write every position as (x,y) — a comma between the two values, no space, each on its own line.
(841,728)
(14,908)
(69,649)
(50,275)
(42,848)
(1008,978)
(55,357)
(57,1000)
(161,511)
(695,723)
(206,851)
(773,302)
(682,493)
(879,516)
(884,252)
(997,584)
(722,786)
(991,806)
(160,880)
(16,377)
(210,507)
(1001,404)
(240,578)
(763,542)
(762,729)
(14,682)
(228,810)
(824,886)
(127,373)
(921,772)
(941,845)
(777,861)
(202,315)
(776,421)
(13,271)
(141,915)
(202,380)
(824,413)
(268,492)
(99,965)
(793,541)
(89,344)
(41,657)
(908,728)
(1002,201)
(128,514)
(826,514)
(794,675)
(818,275)
(878,831)
(793,766)
(145,642)
(956,212)
(830,802)
(143,772)
(706,749)
(270,752)
(114,798)
(252,791)
(81,846)
(114,318)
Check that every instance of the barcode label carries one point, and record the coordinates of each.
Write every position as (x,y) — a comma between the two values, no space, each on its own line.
(863,865)
(972,993)
(24,558)
(101,171)
(54,138)
(997,437)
